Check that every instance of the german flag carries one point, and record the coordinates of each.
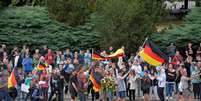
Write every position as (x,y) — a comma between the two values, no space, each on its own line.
(118,53)
(95,78)
(96,56)
(12,82)
(152,54)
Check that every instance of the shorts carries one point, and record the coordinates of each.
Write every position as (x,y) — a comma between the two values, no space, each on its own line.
(146,91)
(73,94)
(186,93)
(122,94)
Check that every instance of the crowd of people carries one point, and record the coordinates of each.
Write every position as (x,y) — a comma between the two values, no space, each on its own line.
(67,73)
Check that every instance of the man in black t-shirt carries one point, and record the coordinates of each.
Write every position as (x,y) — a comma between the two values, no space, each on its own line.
(73,85)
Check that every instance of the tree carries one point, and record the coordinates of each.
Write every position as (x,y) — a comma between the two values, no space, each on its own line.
(71,12)
(127,22)
(190,31)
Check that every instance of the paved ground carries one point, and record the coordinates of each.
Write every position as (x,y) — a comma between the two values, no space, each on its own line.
(67,98)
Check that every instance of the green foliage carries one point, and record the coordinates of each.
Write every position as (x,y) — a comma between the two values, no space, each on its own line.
(190,31)
(28,2)
(32,26)
(71,12)
(127,22)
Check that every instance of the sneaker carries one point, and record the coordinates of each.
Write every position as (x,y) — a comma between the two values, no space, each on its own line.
(171,98)
(166,98)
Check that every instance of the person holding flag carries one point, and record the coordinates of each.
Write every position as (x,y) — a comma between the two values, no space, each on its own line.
(4,95)
(12,83)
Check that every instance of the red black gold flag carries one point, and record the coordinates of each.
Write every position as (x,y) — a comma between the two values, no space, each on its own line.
(152,54)
(96,56)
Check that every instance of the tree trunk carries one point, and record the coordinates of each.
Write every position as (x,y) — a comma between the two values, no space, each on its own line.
(185,4)
(197,3)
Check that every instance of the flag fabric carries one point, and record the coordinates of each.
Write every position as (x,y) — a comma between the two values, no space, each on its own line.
(118,53)
(12,80)
(41,66)
(95,78)
(98,57)
(152,54)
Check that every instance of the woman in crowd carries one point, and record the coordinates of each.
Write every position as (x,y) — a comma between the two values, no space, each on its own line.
(133,85)
(121,86)
(170,81)
(161,77)
(195,81)
(184,91)
(146,84)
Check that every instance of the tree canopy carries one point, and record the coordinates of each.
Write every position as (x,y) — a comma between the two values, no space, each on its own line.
(127,22)
(189,31)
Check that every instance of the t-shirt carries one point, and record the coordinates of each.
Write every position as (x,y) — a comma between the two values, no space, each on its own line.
(3,81)
(74,80)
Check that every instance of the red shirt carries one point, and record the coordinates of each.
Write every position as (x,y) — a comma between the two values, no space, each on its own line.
(49,58)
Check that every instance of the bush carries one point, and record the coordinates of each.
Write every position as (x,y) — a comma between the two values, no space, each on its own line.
(33,27)
(190,31)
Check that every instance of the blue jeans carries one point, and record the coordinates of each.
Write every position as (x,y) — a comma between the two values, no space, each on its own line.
(5,95)
(110,95)
(21,95)
(122,94)
(82,96)
(169,89)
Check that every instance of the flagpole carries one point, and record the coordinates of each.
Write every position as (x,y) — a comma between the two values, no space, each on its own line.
(142,45)
(144,41)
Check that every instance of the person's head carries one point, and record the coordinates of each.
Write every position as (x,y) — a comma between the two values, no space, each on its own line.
(74,72)
(172,44)
(177,52)
(27,50)
(132,73)
(123,47)
(3,46)
(135,62)
(49,51)
(189,44)
(146,73)
(16,53)
(110,48)
(29,74)
(76,54)
(182,65)
(67,50)
(45,47)
(170,66)
(68,60)
(81,52)
(158,68)
(37,51)
(199,65)
(24,47)
(5,54)
(183,72)
(5,61)
(87,51)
